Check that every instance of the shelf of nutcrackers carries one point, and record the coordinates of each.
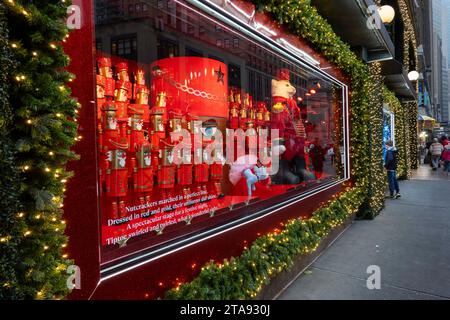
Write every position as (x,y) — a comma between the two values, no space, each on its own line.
(135,144)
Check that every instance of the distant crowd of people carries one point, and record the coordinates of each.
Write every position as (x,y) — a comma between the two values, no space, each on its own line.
(438,154)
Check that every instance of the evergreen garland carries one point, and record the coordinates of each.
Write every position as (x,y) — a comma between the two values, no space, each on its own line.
(244,277)
(401,133)
(42,128)
(9,188)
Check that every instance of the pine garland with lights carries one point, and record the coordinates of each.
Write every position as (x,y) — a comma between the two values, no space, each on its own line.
(10,228)
(377,185)
(43,129)
(401,133)
(245,276)
(410,41)
(413,114)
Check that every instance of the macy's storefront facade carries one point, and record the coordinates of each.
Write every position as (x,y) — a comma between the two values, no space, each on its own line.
(139,221)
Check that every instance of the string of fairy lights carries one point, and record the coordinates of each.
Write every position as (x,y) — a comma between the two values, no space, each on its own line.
(47,137)
(410,42)
(377,186)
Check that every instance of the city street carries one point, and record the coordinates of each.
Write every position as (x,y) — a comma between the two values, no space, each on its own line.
(409,241)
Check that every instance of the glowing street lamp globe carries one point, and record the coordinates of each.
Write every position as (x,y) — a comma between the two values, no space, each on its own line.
(387,13)
(413,75)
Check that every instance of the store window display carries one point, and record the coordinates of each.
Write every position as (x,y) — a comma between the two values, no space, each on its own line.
(165,114)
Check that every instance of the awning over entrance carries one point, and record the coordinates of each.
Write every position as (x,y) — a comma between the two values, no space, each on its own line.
(425,118)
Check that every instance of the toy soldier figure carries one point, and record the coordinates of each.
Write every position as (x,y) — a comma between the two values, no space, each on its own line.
(143,171)
(122,75)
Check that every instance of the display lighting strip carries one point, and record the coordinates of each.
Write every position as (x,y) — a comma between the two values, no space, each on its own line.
(296,57)
(302,53)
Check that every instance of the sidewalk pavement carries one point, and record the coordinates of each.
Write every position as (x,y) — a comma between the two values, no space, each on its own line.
(409,241)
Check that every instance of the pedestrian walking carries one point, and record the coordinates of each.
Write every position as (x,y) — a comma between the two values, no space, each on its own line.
(446,159)
(436,151)
(390,164)
(444,140)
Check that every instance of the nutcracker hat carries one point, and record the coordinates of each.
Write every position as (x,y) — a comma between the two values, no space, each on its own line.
(283,74)
(101,81)
(140,73)
(104,62)
(122,66)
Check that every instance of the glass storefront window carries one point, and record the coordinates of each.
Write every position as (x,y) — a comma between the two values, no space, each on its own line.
(174,83)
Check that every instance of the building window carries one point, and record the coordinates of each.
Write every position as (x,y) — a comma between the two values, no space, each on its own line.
(236,43)
(125,47)
(219,43)
(144,7)
(227,43)
(167,48)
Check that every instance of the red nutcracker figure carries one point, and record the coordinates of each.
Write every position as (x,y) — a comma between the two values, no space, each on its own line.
(161,104)
(166,170)
(143,171)
(217,172)
(158,120)
(116,180)
(175,120)
(104,67)
(122,75)
(260,114)
(234,112)
(267,118)
(191,123)
(157,128)
(201,170)
(184,172)
(110,138)
(136,125)
(243,112)
(251,108)
(139,81)
(142,102)
(141,94)
(101,99)
(121,98)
